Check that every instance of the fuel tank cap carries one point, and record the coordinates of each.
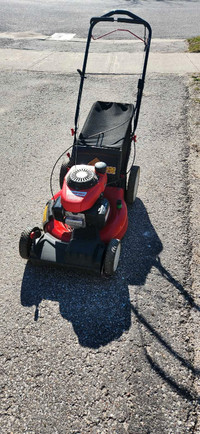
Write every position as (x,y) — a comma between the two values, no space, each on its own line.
(100,167)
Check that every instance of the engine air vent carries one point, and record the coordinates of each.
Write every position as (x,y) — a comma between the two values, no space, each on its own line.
(81,177)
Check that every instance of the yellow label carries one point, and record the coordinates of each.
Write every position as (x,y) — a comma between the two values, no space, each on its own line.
(45,214)
(111,170)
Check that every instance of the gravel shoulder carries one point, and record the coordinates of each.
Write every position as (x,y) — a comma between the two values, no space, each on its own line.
(194,188)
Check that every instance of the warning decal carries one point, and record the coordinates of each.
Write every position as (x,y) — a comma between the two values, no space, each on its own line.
(93,162)
(111,170)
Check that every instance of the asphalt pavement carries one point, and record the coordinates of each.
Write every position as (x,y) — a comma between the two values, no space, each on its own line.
(84,354)
(168,18)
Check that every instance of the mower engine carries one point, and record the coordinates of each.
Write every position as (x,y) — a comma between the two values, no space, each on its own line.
(81,203)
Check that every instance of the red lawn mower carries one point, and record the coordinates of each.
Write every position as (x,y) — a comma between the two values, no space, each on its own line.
(83,223)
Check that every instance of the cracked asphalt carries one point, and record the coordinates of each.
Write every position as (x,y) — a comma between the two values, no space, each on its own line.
(82,354)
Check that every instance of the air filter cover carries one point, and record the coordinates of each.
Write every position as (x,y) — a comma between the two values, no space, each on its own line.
(81,177)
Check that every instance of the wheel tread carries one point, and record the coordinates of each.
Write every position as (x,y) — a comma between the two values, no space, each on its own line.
(110,257)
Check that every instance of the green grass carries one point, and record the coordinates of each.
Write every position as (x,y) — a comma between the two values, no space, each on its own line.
(194,44)
(196,82)
(196,87)
(196,78)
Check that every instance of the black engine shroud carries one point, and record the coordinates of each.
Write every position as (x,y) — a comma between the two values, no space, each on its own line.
(96,216)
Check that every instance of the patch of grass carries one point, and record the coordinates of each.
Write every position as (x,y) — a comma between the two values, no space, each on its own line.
(194,44)
(196,78)
(197,100)
(195,96)
(196,82)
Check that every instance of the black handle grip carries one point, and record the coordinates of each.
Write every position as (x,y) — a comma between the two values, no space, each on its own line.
(136,20)
(96,20)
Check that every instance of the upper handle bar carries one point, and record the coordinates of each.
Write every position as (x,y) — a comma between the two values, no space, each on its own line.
(134,19)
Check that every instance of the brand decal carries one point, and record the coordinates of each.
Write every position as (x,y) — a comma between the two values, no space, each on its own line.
(78,193)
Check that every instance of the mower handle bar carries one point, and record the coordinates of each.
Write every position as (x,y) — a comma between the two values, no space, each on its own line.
(133,19)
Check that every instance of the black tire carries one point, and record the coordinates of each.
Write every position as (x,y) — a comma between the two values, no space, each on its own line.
(63,171)
(25,241)
(132,187)
(112,257)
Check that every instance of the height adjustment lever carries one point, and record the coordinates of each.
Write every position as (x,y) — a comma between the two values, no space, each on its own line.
(81,73)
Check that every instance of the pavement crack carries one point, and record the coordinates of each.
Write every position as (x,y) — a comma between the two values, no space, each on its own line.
(193,64)
(40,60)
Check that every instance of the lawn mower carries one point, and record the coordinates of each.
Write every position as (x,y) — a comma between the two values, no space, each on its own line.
(84,222)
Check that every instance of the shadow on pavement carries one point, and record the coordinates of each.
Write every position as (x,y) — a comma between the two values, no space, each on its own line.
(183,391)
(100,309)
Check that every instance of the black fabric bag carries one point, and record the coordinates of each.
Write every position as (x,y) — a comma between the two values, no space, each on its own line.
(106,136)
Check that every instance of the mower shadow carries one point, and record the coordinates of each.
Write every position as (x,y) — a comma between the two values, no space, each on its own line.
(98,308)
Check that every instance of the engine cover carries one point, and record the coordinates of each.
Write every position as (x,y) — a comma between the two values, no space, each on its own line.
(81,177)
(82,187)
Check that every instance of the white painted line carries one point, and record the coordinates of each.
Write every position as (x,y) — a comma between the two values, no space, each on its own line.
(62,36)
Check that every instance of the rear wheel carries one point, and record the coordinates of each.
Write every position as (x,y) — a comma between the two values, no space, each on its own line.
(63,172)
(112,257)
(133,183)
(26,240)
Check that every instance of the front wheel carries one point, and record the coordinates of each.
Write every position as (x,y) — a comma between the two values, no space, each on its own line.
(112,257)
(26,240)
